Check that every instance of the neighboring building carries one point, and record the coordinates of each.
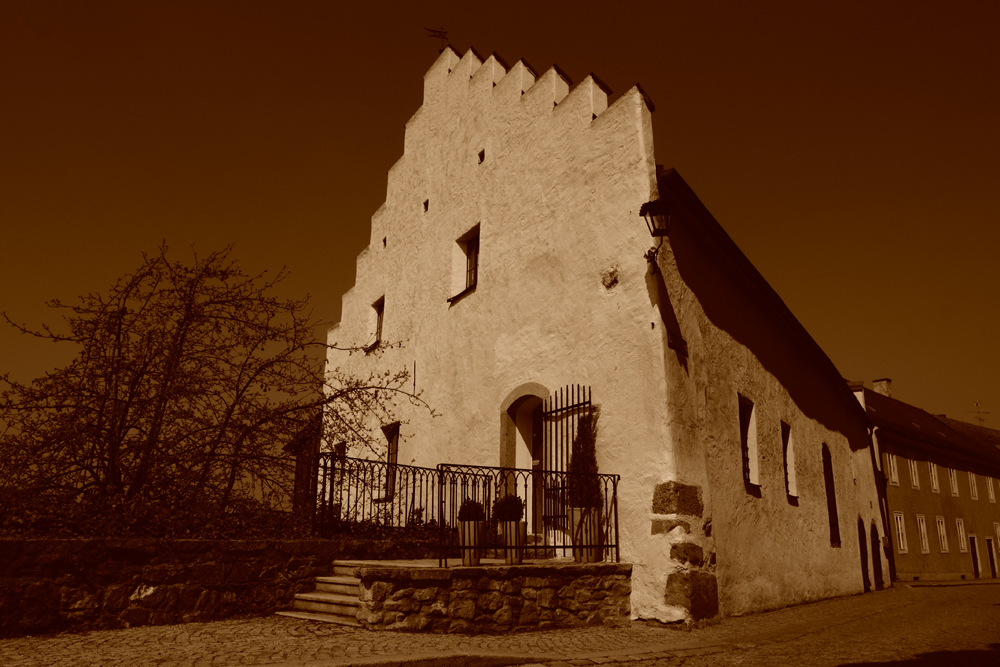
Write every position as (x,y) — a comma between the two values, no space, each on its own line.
(942,480)
(511,260)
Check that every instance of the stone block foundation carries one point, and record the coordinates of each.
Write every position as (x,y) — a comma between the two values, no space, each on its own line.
(494,599)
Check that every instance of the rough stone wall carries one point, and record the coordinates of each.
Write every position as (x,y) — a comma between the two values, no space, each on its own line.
(474,600)
(55,585)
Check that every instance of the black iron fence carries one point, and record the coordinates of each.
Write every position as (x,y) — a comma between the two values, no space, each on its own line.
(360,495)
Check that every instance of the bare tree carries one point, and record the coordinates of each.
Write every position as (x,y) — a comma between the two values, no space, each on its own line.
(190,381)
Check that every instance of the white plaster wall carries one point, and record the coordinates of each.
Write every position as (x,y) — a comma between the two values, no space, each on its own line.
(769,553)
(557,200)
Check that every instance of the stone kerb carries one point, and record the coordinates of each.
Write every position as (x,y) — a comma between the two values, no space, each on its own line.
(494,599)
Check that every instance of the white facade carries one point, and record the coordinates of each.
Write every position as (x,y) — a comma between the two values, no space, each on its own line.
(554,181)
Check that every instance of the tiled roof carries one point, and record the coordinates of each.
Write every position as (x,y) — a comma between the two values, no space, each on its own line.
(941,433)
(974,431)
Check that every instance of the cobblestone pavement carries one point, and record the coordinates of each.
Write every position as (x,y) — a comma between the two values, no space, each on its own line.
(919,626)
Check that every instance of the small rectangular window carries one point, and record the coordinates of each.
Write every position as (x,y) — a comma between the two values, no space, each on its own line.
(925,547)
(973,488)
(953,481)
(914,474)
(942,532)
(989,490)
(962,542)
(893,471)
(379,312)
(471,262)
(900,533)
(788,447)
(935,485)
(748,441)
(465,264)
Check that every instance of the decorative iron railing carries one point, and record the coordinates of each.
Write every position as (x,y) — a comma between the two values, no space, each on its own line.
(361,495)
(547,510)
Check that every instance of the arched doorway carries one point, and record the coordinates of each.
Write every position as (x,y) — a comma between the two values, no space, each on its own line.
(521,439)
(863,544)
(877,559)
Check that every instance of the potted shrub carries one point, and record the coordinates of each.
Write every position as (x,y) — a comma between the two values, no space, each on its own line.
(584,490)
(507,511)
(471,531)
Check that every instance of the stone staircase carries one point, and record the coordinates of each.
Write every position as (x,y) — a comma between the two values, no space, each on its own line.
(335,599)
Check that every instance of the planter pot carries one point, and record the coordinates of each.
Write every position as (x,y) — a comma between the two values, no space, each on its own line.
(472,538)
(514,535)
(585,522)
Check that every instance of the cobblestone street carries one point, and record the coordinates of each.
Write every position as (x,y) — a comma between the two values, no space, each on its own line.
(914,626)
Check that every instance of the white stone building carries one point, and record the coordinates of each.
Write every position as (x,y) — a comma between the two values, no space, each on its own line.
(510,260)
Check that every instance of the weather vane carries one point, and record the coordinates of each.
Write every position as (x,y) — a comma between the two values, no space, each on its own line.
(441,34)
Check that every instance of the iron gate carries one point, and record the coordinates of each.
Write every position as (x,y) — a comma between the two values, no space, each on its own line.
(561,414)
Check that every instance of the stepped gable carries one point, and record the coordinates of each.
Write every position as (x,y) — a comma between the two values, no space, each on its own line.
(451,78)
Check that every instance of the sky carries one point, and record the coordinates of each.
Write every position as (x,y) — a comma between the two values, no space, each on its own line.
(850,149)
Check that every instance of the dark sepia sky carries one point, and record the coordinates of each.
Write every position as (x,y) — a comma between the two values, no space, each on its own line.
(851,149)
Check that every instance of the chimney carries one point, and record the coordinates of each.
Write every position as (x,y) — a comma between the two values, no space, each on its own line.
(883,386)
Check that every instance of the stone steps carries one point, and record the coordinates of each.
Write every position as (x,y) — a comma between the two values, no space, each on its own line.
(335,599)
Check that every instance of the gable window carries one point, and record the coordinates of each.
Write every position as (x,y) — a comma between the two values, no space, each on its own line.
(465,264)
(914,474)
(748,442)
(935,486)
(942,534)
(890,466)
(379,312)
(900,533)
(831,497)
(953,481)
(973,489)
(925,547)
(989,490)
(788,448)
(962,545)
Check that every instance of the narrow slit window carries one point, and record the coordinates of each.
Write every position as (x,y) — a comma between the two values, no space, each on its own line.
(831,497)
(482,156)
(989,490)
(391,455)
(748,441)
(788,449)
(900,533)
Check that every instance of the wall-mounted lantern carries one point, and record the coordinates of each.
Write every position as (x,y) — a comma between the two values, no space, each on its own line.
(657,215)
